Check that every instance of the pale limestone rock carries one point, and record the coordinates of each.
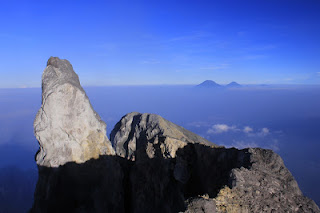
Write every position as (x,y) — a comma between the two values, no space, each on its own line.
(66,126)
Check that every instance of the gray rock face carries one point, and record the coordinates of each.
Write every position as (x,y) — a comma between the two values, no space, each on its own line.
(248,180)
(66,126)
(138,134)
(267,186)
(201,205)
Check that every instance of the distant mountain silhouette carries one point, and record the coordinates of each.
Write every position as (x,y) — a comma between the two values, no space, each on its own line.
(209,84)
(212,84)
(233,84)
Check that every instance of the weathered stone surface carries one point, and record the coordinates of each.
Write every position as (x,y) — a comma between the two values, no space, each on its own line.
(151,135)
(267,186)
(201,205)
(66,126)
(248,180)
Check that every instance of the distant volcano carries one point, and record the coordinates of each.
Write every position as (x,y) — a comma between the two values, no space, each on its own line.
(209,84)
(212,84)
(233,84)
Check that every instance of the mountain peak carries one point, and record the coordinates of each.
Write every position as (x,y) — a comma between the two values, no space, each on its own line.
(209,84)
(233,84)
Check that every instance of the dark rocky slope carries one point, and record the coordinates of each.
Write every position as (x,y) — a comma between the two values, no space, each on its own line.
(157,167)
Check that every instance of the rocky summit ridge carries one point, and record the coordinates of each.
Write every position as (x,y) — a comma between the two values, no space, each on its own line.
(150,164)
(136,135)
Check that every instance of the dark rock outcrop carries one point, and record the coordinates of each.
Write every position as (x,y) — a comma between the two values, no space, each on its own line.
(93,186)
(249,180)
(158,167)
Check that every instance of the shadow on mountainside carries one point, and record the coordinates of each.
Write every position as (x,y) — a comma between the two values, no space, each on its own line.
(114,184)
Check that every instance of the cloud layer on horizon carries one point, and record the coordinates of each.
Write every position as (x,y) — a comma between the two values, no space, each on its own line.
(231,135)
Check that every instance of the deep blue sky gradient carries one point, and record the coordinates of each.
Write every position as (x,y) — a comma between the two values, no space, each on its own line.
(162,42)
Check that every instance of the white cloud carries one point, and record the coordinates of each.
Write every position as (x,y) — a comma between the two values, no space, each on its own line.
(221,128)
(270,144)
(151,61)
(247,129)
(262,133)
(265,131)
(198,124)
(244,136)
(244,144)
(274,145)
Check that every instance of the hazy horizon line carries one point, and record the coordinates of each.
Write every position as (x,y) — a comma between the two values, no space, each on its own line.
(140,85)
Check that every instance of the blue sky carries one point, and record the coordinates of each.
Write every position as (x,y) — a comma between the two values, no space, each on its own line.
(162,42)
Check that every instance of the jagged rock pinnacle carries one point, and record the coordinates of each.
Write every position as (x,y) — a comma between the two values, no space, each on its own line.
(66,126)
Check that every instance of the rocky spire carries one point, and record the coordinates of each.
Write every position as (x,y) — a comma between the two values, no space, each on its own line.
(66,126)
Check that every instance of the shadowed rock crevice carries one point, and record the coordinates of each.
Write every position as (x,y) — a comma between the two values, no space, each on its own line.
(209,169)
(114,184)
(94,186)
(222,180)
